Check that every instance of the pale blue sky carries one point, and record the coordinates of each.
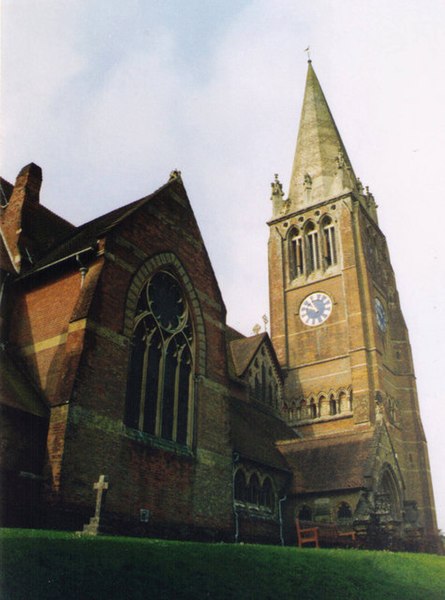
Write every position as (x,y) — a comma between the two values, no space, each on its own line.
(109,96)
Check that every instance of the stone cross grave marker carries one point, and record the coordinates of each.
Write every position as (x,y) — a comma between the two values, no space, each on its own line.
(94,526)
(101,486)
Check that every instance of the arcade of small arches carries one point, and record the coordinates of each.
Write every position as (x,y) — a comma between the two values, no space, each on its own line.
(312,247)
(254,490)
(343,512)
(328,405)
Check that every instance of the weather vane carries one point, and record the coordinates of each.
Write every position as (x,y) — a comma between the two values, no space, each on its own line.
(308,50)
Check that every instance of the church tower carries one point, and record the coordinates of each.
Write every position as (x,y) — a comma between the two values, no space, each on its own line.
(339,333)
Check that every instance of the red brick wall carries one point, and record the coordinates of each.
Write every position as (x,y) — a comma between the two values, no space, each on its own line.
(184,493)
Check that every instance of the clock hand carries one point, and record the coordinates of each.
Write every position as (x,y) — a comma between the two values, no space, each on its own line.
(312,305)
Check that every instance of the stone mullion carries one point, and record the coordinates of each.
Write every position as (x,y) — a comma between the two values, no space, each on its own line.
(159,407)
(143,386)
(176,394)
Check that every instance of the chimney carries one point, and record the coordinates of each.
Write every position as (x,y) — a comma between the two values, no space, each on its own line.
(30,181)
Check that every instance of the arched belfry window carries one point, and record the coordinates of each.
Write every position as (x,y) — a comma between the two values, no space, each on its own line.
(329,242)
(160,376)
(296,253)
(313,251)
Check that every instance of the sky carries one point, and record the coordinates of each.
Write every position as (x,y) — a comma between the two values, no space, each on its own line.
(108,97)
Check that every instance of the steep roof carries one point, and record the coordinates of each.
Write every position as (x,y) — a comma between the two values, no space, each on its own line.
(332,463)
(86,235)
(320,152)
(255,434)
(244,349)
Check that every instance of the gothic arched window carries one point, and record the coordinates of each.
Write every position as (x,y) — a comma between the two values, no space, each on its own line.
(240,486)
(305,513)
(160,376)
(344,511)
(267,497)
(254,489)
(313,409)
(313,252)
(296,254)
(329,242)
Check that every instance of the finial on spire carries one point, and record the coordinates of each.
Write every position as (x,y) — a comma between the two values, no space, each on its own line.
(308,50)
(175,174)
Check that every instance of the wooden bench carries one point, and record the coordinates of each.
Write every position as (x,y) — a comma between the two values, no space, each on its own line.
(326,533)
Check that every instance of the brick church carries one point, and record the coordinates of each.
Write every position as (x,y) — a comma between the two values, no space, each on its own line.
(117,360)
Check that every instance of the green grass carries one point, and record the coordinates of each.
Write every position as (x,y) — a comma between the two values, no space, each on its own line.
(48,564)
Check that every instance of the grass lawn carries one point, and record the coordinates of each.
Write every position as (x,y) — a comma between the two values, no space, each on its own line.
(59,565)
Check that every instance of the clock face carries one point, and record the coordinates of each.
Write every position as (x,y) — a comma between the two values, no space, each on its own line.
(315,309)
(380,315)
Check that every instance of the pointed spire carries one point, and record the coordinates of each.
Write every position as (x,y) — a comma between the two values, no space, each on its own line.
(321,168)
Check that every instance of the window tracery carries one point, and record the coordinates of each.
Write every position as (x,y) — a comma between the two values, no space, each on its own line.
(160,376)
(264,384)
(312,248)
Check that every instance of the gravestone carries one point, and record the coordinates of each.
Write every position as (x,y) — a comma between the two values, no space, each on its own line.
(95,526)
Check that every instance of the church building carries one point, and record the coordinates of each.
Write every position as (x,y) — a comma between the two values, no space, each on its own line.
(120,373)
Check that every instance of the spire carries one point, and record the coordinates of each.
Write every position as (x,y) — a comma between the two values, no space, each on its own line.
(321,168)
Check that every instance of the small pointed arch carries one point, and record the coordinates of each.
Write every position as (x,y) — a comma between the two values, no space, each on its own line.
(344,512)
(254,489)
(304,513)
(267,495)
(240,485)
(343,401)
(322,404)
(332,405)
(329,241)
(312,247)
(295,244)
(312,408)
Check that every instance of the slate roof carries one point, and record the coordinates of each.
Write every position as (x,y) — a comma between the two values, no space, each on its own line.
(255,433)
(244,349)
(332,463)
(85,236)
(16,391)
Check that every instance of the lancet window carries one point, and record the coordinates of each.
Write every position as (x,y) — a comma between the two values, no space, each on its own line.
(313,251)
(344,512)
(264,384)
(305,513)
(313,248)
(296,254)
(160,377)
(329,244)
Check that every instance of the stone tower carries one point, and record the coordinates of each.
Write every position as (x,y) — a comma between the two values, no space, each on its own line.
(339,333)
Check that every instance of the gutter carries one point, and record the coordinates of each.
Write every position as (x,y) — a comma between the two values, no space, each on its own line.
(58,261)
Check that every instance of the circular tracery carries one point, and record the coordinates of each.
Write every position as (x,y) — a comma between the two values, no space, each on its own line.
(166,301)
